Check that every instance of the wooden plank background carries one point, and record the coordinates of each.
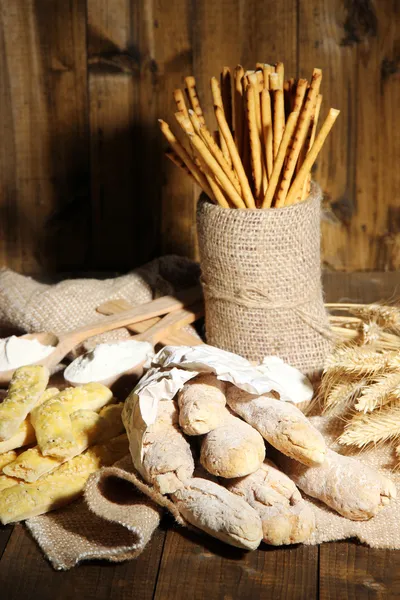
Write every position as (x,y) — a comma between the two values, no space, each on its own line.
(83,180)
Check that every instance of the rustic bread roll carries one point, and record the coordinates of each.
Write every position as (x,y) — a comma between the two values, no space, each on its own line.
(201,404)
(219,513)
(282,424)
(350,487)
(167,460)
(233,449)
(285,517)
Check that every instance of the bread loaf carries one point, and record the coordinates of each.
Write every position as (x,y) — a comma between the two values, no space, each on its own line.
(163,457)
(233,449)
(285,516)
(213,509)
(347,485)
(201,404)
(282,424)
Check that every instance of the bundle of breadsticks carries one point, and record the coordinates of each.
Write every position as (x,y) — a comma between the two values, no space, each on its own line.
(51,441)
(266,144)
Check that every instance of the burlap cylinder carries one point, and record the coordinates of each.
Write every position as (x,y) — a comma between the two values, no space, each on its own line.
(261,275)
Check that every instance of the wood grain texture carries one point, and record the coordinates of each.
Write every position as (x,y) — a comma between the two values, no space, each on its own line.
(194,566)
(24,572)
(44,142)
(352,571)
(83,180)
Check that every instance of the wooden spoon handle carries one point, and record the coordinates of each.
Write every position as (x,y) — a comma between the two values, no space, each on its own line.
(160,306)
(177,337)
(172,321)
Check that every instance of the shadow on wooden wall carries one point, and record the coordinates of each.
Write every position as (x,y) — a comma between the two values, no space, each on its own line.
(83,183)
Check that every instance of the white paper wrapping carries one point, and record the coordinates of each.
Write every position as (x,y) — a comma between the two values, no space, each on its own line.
(272,375)
(173,366)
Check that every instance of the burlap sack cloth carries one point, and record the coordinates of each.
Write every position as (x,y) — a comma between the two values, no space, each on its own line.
(261,274)
(114,521)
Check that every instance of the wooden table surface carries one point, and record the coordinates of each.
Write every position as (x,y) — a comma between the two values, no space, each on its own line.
(179,564)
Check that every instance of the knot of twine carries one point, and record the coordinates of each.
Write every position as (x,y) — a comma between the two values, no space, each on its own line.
(253,297)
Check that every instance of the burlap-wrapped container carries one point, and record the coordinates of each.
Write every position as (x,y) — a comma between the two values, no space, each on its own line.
(261,274)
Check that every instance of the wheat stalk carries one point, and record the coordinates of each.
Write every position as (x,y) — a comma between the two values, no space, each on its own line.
(372,428)
(356,361)
(385,389)
(341,394)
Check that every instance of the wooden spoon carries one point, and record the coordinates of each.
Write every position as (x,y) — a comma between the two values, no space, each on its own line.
(159,330)
(175,337)
(63,344)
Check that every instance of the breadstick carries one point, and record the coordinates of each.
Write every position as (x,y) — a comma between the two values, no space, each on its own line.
(273,182)
(299,137)
(226,91)
(180,102)
(26,434)
(267,70)
(233,449)
(208,139)
(52,422)
(217,100)
(266,118)
(184,156)
(312,155)
(280,423)
(26,386)
(273,82)
(255,145)
(193,97)
(286,518)
(88,427)
(352,488)
(279,120)
(61,487)
(179,163)
(237,163)
(215,168)
(309,142)
(301,90)
(201,404)
(221,514)
(239,108)
(280,70)
(253,79)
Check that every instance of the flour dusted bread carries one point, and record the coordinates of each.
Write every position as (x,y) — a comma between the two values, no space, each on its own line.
(285,516)
(218,512)
(163,457)
(282,424)
(233,449)
(26,387)
(347,485)
(201,404)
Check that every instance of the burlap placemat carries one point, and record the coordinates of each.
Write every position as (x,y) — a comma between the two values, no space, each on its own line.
(28,305)
(114,521)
